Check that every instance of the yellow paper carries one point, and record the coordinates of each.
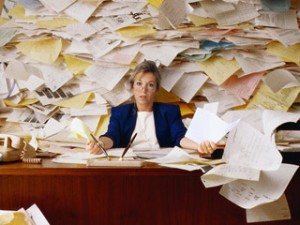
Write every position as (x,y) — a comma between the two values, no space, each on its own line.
(55,23)
(3,21)
(201,21)
(281,101)
(44,50)
(75,65)
(155,3)
(219,69)
(164,96)
(18,11)
(75,102)
(80,129)
(185,109)
(102,125)
(289,54)
(136,31)
(22,103)
(14,218)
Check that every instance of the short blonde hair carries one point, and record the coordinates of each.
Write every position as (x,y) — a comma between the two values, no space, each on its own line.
(147,66)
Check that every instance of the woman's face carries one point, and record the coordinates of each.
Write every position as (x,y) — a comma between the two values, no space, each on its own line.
(144,90)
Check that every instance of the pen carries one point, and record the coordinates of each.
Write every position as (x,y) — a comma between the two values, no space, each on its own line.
(100,146)
(128,146)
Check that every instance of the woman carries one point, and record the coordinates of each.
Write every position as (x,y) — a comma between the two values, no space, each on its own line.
(156,124)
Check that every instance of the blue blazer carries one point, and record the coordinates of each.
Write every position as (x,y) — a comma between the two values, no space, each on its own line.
(169,127)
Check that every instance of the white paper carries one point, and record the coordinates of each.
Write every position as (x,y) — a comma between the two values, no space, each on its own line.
(270,187)
(277,210)
(188,85)
(225,173)
(247,147)
(206,126)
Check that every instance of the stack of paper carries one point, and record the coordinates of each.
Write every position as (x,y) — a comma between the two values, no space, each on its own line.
(64,60)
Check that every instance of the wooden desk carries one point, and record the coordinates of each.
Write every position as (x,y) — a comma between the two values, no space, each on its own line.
(73,194)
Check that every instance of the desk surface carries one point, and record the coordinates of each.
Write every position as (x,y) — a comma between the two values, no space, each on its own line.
(76,194)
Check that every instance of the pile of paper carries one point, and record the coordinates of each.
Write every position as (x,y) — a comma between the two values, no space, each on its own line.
(65,59)
(30,216)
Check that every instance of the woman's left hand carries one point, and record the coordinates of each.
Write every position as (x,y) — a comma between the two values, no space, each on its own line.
(206,147)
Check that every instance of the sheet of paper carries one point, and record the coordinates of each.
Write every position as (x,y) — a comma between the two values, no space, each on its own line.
(55,23)
(277,210)
(247,147)
(187,167)
(219,69)
(250,116)
(45,50)
(211,107)
(57,6)
(37,215)
(16,70)
(80,31)
(55,75)
(272,119)
(89,110)
(179,156)
(100,46)
(6,35)
(286,37)
(76,158)
(253,65)
(82,10)
(151,154)
(166,53)
(172,73)
(76,65)
(269,188)
(52,127)
(225,99)
(289,53)
(76,102)
(59,149)
(120,21)
(103,75)
(280,78)
(214,8)
(80,129)
(244,41)
(280,101)
(208,126)
(243,12)
(32,83)
(284,20)
(188,85)
(46,96)
(174,11)
(225,173)
(82,157)
(124,55)
(244,86)
(170,77)
(119,8)
(136,31)
(118,95)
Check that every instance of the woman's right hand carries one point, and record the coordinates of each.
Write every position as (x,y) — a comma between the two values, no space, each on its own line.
(93,147)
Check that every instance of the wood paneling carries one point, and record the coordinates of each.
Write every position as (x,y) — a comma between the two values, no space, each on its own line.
(73,194)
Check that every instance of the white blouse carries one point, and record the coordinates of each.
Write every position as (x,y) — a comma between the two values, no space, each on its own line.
(145,128)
